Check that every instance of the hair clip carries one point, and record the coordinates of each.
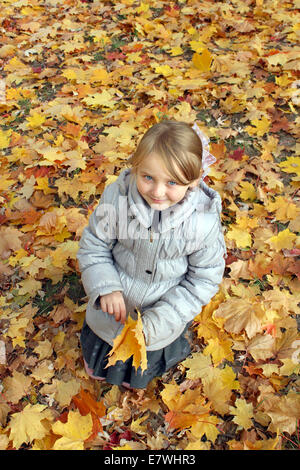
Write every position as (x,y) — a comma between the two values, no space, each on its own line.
(207,158)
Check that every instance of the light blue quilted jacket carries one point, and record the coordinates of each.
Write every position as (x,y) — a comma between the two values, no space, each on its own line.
(168,264)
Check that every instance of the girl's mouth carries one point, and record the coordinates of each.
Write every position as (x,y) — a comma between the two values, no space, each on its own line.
(158,201)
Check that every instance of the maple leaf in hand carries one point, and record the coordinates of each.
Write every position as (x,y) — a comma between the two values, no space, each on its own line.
(130,342)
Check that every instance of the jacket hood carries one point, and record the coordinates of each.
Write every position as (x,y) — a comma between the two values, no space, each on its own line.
(201,199)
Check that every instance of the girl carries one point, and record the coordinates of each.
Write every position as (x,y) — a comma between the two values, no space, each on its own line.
(154,243)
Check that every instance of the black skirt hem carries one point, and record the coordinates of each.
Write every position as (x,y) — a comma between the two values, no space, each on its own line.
(95,353)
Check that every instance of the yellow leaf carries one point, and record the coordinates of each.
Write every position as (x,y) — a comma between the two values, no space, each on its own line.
(248,191)
(164,70)
(228,377)
(200,366)
(219,350)
(197,46)
(77,428)
(5,138)
(66,250)
(241,237)
(285,239)
(202,61)
(261,126)
(143,8)
(207,424)
(30,286)
(198,445)
(65,443)
(17,327)
(243,412)
(175,51)
(110,179)
(43,185)
(290,165)
(35,120)
(130,342)
(104,99)
(52,154)
(70,74)
(5,183)
(26,425)
(137,427)
(100,75)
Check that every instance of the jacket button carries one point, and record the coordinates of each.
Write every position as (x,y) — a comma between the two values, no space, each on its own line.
(148,272)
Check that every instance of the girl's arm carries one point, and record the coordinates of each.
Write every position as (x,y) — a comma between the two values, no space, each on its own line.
(98,273)
(167,318)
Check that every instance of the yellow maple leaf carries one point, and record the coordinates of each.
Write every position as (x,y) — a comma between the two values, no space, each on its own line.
(77,427)
(164,70)
(130,342)
(260,126)
(290,165)
(5,138)
(42,183)
(240,236)
(207,424)
(202,61)
(100,75)
(284,239)
(35,120)
(52,154)
(26,425)
(30,286)
(175,51)
(104,99)
(229,380)
(243,412)
(200,366)
(219,349)
(248,191)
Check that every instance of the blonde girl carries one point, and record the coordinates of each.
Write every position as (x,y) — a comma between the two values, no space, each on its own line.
(154,243)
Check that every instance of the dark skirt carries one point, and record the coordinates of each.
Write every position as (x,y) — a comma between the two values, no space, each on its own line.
(95,353)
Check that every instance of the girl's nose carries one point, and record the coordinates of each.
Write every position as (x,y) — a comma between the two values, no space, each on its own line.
(158,191)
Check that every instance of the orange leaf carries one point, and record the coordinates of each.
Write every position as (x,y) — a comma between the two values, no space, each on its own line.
(85,403)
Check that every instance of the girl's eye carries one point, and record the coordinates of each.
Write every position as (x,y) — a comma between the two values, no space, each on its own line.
(172,183)
(147,177)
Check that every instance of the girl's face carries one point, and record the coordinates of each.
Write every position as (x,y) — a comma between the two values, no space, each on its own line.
(157,186)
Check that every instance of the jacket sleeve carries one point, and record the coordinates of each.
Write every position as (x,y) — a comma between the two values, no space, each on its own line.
(166,319)
(98,273)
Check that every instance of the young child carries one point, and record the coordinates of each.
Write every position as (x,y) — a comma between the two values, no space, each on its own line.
(154,243)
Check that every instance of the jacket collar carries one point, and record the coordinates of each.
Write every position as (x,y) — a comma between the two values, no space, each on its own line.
(201,198)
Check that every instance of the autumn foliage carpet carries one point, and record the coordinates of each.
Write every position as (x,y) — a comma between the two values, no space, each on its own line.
(80,83)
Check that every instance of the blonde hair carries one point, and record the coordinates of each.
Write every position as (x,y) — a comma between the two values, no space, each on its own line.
(179,147)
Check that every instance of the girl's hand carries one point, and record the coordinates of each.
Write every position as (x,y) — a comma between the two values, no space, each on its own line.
(114,304)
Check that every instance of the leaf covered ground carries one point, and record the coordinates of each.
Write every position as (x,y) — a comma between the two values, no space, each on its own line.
(80,83)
